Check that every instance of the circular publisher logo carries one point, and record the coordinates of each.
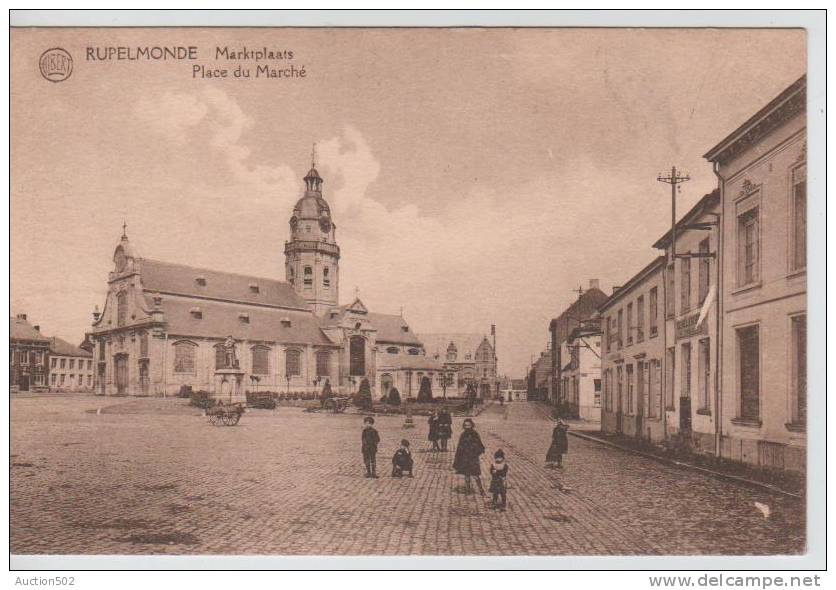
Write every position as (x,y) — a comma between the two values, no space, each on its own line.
(56,64)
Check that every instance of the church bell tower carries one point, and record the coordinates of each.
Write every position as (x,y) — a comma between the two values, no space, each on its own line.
(312,257)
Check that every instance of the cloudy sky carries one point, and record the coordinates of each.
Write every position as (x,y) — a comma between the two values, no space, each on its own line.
(475,176)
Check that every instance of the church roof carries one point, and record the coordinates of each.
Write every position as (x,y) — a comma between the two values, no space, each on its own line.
(393,329)
(243,322)
(59,347)
(20,329)
(180,279)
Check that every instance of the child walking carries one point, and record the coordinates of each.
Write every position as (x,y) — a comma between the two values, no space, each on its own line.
(369,440)
(402,460)
(499,477)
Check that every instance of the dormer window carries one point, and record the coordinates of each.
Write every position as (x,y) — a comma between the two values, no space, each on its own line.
(392,350)
(196,313)
(254,288)
(413,351)
(201,280)
(244,318)
(286,323)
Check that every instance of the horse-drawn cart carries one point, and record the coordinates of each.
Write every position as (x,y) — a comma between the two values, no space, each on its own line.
(225,414)
(336,404)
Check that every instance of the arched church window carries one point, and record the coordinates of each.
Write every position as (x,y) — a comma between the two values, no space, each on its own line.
(308,276)
(143,345)
(326,280)
(184,352)
(293,363)
(261,364)
(121,308)
(220,357)
(323,363)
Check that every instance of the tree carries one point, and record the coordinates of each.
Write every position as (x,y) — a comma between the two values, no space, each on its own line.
(425,393)
(363,398)
(394,398)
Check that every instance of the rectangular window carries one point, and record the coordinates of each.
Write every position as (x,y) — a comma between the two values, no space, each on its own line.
(323,362)
(640,319)
(670,292)
(640,389)
(685,362)
(620,335)
(62,380)
(101,351)
(798,256)
(748,247)
(670,371)
(685,284)
(184,357)
(748,355)
(72,363)
(653,320)
(89,380)
(705,269)
(704,368)
(597,393)
(630,407)
(619,387)
(654,399)
(52,362)
(53,378)
(799,369)
(629,324)
(143,345)
(63,363)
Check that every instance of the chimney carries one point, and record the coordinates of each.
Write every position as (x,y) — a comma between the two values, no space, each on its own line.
(594,284)
(21,316)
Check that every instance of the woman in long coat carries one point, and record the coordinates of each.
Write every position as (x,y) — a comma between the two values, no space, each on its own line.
(466,461)
(432,436)
(559,446)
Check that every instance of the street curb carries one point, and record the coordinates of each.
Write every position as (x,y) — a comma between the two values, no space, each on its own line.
(682,465)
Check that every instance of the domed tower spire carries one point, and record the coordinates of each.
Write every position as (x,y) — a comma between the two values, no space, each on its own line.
(312,254)
(313,182)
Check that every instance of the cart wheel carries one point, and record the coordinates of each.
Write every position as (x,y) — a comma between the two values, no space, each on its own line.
(225,419)
(213,418)
(234,419)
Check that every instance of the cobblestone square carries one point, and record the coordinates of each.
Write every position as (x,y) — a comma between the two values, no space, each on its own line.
(151,476)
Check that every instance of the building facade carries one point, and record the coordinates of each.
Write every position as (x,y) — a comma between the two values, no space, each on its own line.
(70,367)
(762,171)
(691,325)
(582,374)
(28,355)
(467,360)
(632,320)
(560,327)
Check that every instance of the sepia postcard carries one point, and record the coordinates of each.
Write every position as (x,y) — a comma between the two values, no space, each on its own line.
(448,291)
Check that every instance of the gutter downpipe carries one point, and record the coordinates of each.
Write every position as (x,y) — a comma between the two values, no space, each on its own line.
(718,364)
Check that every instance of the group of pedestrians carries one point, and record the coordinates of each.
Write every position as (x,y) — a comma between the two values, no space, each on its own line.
(466,462)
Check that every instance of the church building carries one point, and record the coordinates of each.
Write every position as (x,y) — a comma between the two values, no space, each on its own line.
(166,325)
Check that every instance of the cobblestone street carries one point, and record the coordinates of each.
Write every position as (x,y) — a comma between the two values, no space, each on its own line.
(152,476)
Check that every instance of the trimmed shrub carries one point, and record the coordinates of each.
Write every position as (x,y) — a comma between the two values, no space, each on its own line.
(363,397)
(425,393)
(185,391)
(394,397)
(201,399)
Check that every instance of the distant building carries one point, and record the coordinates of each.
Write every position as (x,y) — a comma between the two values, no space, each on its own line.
(582,374)
(70,367)
(540,377)
(762,167)
(560,327)
(633,350)
(691,325)
(467,359)
(28,354)
(514,390)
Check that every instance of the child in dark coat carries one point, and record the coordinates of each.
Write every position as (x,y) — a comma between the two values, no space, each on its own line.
(499,476)
(370,439)
(559,446)
(402,460)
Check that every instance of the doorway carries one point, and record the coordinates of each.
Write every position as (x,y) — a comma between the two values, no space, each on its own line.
(121,374)
(23,383)
(357,356)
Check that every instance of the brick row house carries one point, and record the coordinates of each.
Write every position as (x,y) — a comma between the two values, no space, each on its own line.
(28,355)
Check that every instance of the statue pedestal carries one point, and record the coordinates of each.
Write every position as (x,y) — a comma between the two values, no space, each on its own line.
(229,386)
